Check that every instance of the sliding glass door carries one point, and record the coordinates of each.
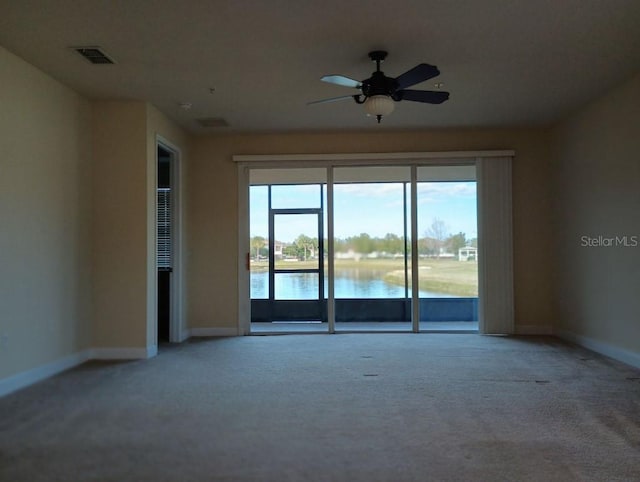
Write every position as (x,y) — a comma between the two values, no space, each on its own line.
(371,248)
(379,283)
(447,248)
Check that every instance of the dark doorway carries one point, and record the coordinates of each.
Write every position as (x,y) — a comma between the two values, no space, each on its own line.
(164,258)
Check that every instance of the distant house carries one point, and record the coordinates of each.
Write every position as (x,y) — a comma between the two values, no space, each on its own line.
(350,254)
(468,253)
(278,247)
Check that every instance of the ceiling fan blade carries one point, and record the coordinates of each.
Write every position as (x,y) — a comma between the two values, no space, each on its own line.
(342,80)
(332,99)
(418,74)
(427,96)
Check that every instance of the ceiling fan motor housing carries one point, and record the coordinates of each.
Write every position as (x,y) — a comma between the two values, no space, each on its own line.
(379,84)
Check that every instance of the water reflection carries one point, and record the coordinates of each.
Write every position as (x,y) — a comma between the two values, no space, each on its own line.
(349,283)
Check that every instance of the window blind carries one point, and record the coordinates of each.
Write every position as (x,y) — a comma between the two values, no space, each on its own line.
(164,228)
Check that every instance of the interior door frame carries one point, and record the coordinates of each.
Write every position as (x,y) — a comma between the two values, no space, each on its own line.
(489,211)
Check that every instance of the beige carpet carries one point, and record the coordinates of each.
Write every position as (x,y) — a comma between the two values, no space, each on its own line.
(351,407)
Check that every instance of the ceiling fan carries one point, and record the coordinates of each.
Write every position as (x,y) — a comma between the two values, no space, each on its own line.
(379,92)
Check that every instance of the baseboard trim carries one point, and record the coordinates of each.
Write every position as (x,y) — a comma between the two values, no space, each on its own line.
(35,375)
(123,353)
(534,330)
(625,356)
(197,332)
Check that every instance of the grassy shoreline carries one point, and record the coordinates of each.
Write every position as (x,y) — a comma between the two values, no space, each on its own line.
(446,276)
(436,282)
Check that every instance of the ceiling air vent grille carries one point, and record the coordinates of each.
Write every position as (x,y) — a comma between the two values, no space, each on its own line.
(95,55)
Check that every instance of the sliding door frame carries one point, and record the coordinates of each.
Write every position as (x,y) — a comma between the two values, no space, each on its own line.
(489,211)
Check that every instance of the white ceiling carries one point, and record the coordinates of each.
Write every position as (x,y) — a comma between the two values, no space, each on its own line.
(505,62)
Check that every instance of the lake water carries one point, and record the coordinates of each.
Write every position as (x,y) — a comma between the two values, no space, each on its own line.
(349,283)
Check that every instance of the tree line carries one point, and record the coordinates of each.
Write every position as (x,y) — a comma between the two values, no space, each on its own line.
(435,241)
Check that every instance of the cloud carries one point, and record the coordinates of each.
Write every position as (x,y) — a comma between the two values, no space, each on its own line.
(438,192)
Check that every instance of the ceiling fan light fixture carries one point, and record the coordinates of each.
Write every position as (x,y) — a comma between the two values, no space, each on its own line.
(379,106)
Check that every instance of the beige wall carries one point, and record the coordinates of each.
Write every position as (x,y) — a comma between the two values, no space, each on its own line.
(45,168)
(597,193)
(214,215)
(119,236)
(123,237)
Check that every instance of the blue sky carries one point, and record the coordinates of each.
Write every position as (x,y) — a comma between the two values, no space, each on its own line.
(373,208)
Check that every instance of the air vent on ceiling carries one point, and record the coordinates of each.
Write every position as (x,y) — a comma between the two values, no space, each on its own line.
(212,122)
(95,55)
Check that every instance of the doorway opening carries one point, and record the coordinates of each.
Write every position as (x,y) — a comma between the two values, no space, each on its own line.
(168,298)
(164,261)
